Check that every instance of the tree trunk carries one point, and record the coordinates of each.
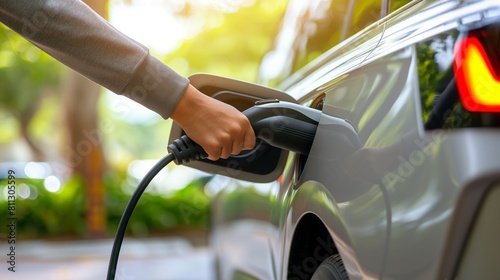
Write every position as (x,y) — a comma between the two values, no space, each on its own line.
(24,121)
(84,140)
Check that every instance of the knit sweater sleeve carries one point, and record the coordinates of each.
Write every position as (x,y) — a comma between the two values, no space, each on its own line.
(74,34)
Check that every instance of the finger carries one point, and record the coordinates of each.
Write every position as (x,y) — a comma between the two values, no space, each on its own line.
(226,151)
(214,155)
(249,142)
(237,146)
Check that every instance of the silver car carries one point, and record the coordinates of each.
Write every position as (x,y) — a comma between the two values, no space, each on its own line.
(407,186)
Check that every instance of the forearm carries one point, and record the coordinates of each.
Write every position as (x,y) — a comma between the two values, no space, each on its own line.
(73,34)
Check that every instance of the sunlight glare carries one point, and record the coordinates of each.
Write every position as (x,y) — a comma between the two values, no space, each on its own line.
(151,25)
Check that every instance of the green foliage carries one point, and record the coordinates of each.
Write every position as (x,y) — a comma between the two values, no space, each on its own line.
(432,81)
(9,127)
(25,72)
(62,214)
(44,214)
(29,80)
(187,208)
(428,77)
(233,48)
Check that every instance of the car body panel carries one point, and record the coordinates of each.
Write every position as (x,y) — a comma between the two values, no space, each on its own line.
(340,158)
(390,193)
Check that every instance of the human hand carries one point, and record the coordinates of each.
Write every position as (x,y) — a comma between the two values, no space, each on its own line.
(219,128)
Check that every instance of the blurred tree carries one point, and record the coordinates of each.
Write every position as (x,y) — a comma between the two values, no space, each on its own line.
(229,43)
(27,76)
(84,151)
(234,39)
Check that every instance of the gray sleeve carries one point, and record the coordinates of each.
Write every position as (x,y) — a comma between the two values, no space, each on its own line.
(75,35)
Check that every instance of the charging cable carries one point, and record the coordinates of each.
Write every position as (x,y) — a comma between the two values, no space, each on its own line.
(182,150)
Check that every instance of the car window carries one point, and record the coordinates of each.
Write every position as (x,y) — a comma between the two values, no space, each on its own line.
(310,28)
(321,29)
(396,4)
(364,13)
(436,81)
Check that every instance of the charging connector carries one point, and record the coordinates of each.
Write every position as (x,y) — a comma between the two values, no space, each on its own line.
(185,150)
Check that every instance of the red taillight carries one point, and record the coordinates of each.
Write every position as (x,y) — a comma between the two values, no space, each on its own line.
(477,81)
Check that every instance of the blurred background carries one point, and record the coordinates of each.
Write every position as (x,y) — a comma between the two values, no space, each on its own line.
(79,150)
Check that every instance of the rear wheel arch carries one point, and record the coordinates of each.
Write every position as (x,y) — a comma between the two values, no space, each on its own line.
(311,245)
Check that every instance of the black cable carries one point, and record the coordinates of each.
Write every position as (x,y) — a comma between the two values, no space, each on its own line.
(122,226)
(182,150)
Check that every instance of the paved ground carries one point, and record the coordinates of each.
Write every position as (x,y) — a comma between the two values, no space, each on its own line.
(148,259)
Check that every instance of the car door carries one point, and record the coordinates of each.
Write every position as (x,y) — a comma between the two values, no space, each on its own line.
(358,119)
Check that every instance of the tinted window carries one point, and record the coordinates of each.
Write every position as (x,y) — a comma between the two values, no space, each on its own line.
(364,13)
(311,28)
(438,93)
(321,29)
(396,4)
